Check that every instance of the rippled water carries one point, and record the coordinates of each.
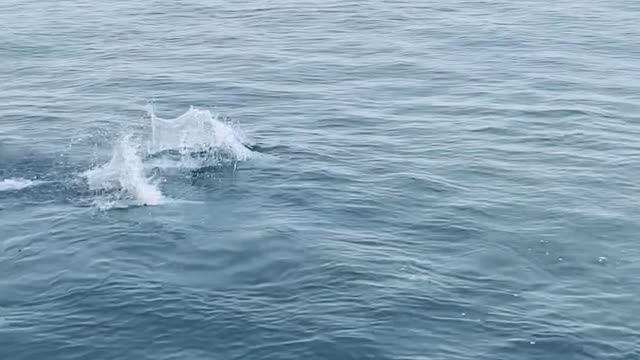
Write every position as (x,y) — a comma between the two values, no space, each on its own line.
(319,180)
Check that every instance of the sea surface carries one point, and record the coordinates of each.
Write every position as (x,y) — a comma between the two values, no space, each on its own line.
(205,179)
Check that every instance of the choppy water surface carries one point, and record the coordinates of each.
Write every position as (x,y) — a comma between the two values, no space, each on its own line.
(319,180)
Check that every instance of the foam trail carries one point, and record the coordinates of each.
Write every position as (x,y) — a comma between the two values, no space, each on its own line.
(124,173)
(17,184)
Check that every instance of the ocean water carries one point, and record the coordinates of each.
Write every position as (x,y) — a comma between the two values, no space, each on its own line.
(203,179)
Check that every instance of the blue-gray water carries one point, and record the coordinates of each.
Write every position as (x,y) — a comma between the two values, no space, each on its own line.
(385,180)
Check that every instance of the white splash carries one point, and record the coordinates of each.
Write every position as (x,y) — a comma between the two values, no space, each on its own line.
(125,175)
(197,131)
(194,139)
(17,184)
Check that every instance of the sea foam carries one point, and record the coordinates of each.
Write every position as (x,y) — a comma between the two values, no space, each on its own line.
(17,184)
